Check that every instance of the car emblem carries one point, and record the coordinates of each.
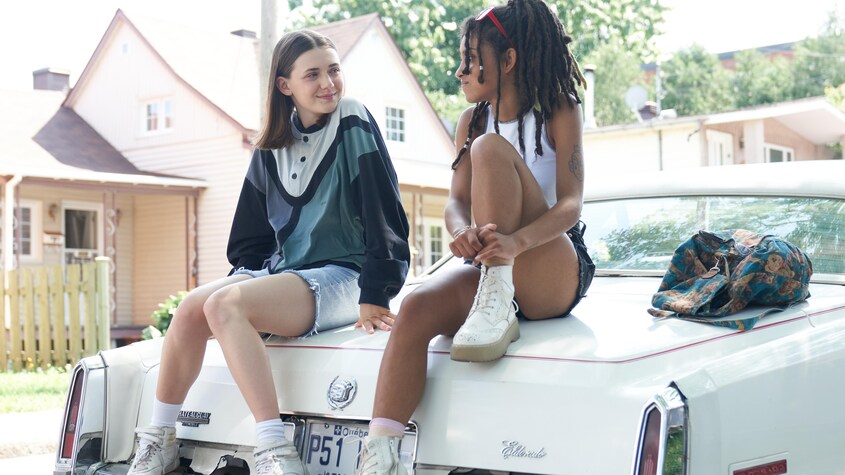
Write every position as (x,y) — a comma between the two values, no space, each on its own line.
(341,392)
(193,418)
(512,448)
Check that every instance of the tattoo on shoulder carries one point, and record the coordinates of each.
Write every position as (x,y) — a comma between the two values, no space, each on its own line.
(576,163)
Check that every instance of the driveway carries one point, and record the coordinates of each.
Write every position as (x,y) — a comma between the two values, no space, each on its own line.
(28,441)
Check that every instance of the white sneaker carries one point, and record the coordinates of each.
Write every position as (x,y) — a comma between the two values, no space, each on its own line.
(278,457)
(158,451)
(491,325)
(380,456)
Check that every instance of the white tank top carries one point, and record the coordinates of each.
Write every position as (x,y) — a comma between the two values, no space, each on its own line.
(543,166)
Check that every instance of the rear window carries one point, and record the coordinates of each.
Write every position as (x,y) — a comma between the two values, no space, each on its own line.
(643,233)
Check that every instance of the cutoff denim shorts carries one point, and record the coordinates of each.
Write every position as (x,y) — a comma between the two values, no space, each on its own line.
(336,294)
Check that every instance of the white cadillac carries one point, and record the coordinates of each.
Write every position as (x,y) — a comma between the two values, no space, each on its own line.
(608,390)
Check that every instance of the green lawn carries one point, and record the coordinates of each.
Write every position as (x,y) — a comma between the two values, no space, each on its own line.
(34,390)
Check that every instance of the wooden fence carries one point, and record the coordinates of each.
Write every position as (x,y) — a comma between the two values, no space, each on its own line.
(52,316)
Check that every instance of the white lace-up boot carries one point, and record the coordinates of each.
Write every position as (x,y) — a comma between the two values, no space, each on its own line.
(158,452)
(380,456)
(278,457)
(491,325)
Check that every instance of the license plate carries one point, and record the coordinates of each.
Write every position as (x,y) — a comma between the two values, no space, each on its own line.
(332,448)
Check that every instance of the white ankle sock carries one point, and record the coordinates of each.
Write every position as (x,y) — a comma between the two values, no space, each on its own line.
(265,431)
(381,426)
(164,414)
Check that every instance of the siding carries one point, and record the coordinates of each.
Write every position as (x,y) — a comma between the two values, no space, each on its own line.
(640,149)
(427,152)
(222,163)
(160,255)
(202,144)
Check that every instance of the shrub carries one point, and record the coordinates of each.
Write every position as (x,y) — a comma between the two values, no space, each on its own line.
(163,316)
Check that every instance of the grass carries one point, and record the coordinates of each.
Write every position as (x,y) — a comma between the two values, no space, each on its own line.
(34,390)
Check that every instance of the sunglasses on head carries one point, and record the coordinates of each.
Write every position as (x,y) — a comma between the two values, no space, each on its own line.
(488,13)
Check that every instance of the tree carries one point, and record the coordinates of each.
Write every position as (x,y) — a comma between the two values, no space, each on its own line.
(759,80)
(426,31)
(593,23)
(616,71)
(695,82)
(820,62)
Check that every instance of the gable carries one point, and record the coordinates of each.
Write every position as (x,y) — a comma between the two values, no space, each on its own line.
(377,75)
(124,74)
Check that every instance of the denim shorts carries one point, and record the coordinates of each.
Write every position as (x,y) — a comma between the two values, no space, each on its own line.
(586,268)
(336,294)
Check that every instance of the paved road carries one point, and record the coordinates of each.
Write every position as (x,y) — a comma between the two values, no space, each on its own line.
(28,442)
(30,465)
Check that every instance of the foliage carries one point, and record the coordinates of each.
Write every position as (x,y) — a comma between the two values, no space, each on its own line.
(35,390)
(820,62)
(659,225)
(449,107)
(426,31)
(616,71)
(163,316)
(593,23)
(696,83)
(836,96)
(759,80)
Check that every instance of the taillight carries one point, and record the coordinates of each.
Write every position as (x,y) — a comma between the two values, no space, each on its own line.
(650,453)
(72,416)
(662,442)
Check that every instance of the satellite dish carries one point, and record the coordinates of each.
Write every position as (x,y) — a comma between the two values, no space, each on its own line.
(635,97)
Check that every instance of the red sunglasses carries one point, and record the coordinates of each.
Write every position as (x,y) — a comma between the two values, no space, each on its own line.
(488,13)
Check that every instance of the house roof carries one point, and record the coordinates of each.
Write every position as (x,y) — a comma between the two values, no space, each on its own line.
(39,138)
(346,33)
(220,67)
(814,118)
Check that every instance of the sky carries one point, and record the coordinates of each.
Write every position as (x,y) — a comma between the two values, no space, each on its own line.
(36,34)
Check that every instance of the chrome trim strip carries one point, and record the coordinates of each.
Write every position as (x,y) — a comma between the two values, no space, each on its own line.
(59,459)
(105,443)
(673,414)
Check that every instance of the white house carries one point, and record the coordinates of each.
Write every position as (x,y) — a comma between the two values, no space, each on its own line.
(151,145)
(787,131)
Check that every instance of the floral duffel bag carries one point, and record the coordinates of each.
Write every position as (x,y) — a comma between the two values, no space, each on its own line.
(713,275)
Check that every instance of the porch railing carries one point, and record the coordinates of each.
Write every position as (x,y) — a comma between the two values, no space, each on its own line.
(53,316)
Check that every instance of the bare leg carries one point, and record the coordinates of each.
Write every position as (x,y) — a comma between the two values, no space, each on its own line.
(438,306)
(281,304)
(184,344)
(505,192)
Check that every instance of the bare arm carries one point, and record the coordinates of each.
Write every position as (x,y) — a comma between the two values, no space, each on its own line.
(458,212)
(565,134)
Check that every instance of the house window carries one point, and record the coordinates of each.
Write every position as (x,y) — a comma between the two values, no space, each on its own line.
(435,244)
(28,217)
(776,153)
(395,126)
(83,233)
(158,115)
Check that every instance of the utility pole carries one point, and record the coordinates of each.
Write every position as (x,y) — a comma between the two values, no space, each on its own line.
(271,12)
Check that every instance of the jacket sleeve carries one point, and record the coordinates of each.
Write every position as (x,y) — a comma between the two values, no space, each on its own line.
(251,239)
(385,225)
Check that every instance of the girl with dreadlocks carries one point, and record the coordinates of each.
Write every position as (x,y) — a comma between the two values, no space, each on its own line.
(519,173)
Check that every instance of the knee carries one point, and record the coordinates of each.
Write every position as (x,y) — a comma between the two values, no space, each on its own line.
(490,149)
(222,306)
(189,313)
(414,319)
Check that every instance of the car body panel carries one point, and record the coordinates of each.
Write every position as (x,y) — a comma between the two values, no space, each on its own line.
(569,395)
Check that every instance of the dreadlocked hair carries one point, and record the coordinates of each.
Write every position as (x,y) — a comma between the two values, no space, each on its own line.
(546,68)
